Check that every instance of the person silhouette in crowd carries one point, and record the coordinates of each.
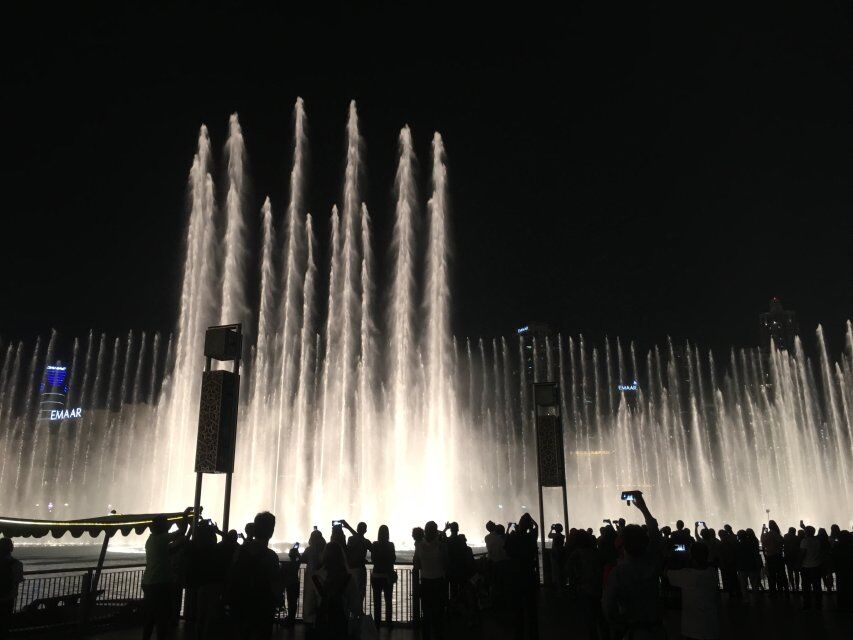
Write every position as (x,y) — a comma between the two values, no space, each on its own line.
(249,532)
(558,557)
(496,543)
(338,536)
(681,535)
(417,536)
(338,597)
(810,563)
(631,596)
(254,588)
(842,556)
(585,568)
(200,572)
(313,560)
(461,568)
(700,596)
(826,566)
(748,562)
(357,548)
(774,547)
(791,551)
(290,580)
(431,557)
(523,552)
(159,581)
(11,576)
(383,555)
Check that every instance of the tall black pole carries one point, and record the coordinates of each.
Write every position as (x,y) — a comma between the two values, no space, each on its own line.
(226,508)
(198,476)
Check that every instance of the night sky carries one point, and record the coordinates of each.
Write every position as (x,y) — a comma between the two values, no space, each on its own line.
(641,170)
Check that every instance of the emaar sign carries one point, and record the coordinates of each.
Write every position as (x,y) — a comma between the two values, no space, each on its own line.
(65,414)
(628,387)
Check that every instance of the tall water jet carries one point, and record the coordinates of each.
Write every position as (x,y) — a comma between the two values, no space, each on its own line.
(234,308)
(437,332)
(402,306)
(349,284)
(291,280)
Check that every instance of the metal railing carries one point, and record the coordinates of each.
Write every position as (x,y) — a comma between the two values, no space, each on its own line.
(66,598)
(55,597)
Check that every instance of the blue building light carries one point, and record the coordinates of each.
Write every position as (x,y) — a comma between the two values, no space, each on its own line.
(55,375)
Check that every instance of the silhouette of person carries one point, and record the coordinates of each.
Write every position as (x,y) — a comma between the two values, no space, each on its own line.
(558,560)
(748,558)
(495,541)
(631,596)
(586,575)
(254,583)
(523,551)
(158,581)
(774,546)
(290,578)
(810,563)
(201,571)
(383,555)
(842,556)
(313,560)
(337,594)
(357,548)
(700,596)
(11,576)
(431,557)
(791,551)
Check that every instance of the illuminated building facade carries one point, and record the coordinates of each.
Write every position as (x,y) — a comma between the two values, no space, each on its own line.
(54,391)
(778,325)
(534,336)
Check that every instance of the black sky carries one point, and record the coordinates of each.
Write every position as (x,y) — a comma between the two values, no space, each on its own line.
(640,170)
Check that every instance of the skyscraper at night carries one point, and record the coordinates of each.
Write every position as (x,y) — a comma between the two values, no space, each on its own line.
(534,336)
(779,325)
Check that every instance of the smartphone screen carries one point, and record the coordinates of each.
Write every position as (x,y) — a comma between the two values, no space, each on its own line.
(681,547)
(628,496)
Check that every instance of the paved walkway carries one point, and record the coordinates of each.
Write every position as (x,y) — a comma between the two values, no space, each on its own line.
(562,618)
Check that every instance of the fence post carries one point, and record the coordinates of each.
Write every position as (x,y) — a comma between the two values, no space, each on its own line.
(415,591)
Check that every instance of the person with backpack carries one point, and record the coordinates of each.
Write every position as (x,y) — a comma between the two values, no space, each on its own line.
(11,575)
(338,598)
(255,589)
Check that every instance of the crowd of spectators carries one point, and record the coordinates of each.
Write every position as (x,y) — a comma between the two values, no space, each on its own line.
(621,580)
